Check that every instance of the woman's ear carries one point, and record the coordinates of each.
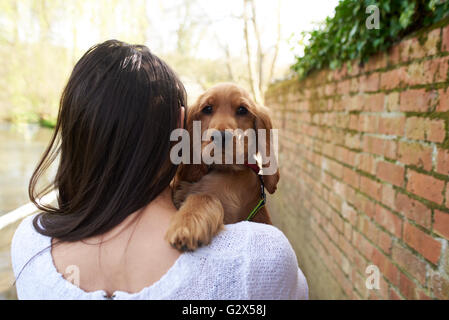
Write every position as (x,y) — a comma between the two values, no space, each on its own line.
(267,150)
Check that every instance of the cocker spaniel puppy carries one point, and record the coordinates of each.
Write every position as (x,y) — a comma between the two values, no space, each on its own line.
(209,195)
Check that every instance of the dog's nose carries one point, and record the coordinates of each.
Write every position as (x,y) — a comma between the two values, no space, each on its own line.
(224,135)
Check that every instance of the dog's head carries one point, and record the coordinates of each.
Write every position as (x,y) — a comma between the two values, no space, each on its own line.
(226,112)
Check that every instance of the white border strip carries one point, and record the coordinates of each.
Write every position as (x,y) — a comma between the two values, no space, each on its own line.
(23,211)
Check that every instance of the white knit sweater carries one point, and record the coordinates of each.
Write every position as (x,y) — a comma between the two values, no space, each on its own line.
(246,260)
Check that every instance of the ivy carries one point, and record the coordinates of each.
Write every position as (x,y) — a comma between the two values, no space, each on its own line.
(345,36)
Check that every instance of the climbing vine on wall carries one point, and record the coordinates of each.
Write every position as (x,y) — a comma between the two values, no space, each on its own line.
(345,36)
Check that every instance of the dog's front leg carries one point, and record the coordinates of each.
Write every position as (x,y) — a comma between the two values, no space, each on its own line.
(197,221)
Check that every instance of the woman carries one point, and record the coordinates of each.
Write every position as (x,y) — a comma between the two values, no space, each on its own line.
(105,238)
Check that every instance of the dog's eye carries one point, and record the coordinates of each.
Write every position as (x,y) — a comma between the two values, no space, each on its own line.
(207,110)
(242,111)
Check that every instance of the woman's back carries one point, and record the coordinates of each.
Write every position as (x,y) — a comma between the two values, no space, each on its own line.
(245,261)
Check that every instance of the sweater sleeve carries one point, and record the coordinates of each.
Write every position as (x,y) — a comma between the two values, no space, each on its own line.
(273,271)
(20,245)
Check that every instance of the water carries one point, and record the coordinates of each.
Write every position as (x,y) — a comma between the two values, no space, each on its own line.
(20,150)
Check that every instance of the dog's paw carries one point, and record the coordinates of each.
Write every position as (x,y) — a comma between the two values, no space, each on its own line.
(191,229)
(187,233)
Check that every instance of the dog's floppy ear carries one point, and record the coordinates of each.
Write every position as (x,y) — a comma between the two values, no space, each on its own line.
(269,161)
(192,172)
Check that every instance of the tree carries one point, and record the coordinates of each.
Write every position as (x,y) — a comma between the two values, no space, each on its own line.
(257,61)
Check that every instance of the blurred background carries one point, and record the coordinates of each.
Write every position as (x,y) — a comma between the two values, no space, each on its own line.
(252,43)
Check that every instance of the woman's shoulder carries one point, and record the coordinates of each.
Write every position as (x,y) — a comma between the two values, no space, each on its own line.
(259,237)
(267,263)
(26,242)
(260,246)
(26,231)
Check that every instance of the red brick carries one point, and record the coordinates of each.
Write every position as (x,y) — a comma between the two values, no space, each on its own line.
(370,83)
(394,55)
(368,123)
(343,87)
(355,85)
(428,48)
(335,201)
(335,168)
(377,61)
(392,126)
(352,141)
(380,146)
(407,287)
(349,157)
(374,102)
(389,270)
(405,48)
(359,285)
(390,172)
(413,210)
(390,79)
(363,245)
(408,261)
(390,149)
(439,67)
(443,104)
(437,131)
(370,187)
(425,186)
(351,177)
(447,196)
(368,228)
(365,205)
(347,231)
(418,100)
(445,39)
(419,73)
(415,154)
(388,196)
(329,89)
(392,102)
(388,220)
(418,128)
(366,162)
(427,246)
(384,242)
(443,161)
(349,213)
(441,223)
(354,122)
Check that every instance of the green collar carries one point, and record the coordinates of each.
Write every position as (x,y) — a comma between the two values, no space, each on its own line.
(261,202)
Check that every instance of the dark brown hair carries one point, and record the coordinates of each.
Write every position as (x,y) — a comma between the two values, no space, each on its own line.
(112,136)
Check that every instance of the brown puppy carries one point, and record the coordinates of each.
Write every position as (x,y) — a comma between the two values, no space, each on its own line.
(209,196)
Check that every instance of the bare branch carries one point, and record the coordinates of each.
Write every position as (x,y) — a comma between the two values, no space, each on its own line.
(278,40)
(248,49)
(260,54)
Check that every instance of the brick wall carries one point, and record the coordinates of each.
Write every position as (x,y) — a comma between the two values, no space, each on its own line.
(364,159)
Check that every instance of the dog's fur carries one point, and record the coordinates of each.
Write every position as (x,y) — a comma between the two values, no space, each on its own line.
(209,196)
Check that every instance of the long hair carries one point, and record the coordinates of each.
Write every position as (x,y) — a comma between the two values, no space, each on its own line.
(112,136)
